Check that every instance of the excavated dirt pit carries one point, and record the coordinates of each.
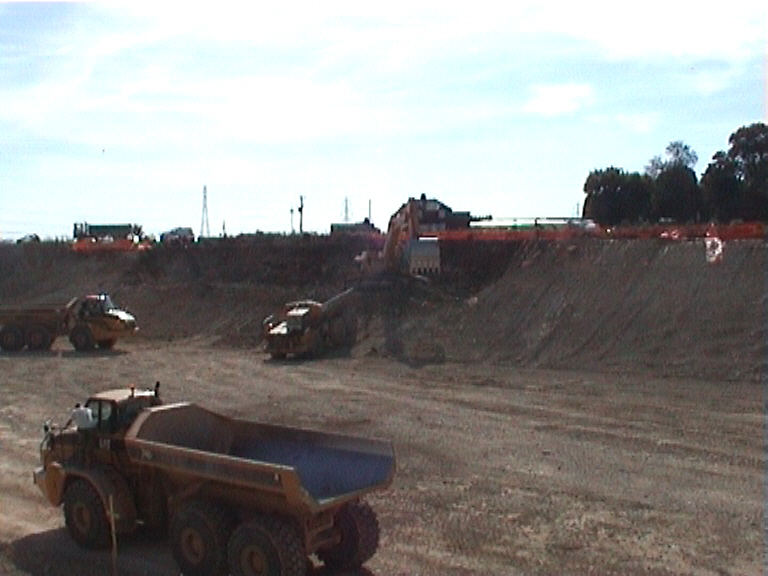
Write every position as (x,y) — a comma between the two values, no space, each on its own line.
(585,408)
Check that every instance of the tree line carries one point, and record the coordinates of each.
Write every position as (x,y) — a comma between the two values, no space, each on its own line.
(734,187)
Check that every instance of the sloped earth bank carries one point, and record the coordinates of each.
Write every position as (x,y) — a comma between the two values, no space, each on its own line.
(652,307)
(591,408)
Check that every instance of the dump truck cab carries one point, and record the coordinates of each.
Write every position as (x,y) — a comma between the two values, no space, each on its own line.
(96,320)
(294,330)
(93,436)
(113,411)
(85,468)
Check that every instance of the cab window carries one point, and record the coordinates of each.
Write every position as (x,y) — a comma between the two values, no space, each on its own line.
(127,413)
(102,411)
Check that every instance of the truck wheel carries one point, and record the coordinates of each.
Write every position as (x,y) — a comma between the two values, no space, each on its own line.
(266,546)
(106,344)
(359,529)
(317,347)
(11,338)
(38,338)
(85,516)
(199,533)
(81,338)
(351,324)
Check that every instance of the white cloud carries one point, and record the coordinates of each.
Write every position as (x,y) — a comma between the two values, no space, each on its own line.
(656,28)
(709,82)
(558,99)
(638,122)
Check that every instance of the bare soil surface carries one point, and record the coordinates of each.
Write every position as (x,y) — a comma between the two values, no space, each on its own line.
(595,408)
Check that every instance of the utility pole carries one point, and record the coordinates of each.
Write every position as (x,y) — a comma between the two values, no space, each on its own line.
(301,214)
(346,210)
(292,230)
(205,229)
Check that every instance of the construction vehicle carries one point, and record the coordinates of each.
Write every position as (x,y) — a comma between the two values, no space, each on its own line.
(237,497)
(307,328)
(410,251)
(94,238)
(83,230)
(405,252)
(89,322)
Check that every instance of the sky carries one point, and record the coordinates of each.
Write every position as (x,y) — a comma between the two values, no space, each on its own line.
(122,112)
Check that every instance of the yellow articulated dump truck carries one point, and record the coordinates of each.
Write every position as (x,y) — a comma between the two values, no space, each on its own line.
(308,329)
(89,322)
(235,496)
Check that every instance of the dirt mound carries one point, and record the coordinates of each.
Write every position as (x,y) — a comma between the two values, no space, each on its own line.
(643,306)
(52,273)
(219,288)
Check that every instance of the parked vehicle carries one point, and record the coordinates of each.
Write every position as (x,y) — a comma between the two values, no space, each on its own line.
(178,236)
(29,239)
(99,238)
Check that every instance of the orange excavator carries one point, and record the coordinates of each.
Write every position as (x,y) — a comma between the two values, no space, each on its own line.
(404,253)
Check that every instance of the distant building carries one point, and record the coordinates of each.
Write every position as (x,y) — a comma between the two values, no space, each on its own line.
(364,227)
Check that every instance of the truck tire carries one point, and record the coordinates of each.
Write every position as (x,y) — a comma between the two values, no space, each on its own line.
(317,346)
(81,338)
(38,338)
(337,331)
(351,324)
(11,338)
(199,533)
(85,516)
(266,546)
(106,344)
(359,529)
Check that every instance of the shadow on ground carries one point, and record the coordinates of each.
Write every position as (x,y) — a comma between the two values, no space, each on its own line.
(53,553)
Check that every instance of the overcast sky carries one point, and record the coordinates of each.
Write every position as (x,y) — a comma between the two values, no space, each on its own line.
(122,112)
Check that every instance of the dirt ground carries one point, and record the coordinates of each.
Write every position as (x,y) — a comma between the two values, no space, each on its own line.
(583,410)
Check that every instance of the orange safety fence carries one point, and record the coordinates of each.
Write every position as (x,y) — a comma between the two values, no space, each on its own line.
(726,232)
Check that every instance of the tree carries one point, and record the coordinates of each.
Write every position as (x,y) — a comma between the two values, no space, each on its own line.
(601,188)
(614,196)
(735,184)
(636,197)
(722,191)
(678,154)
(749,153)
(676,194)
